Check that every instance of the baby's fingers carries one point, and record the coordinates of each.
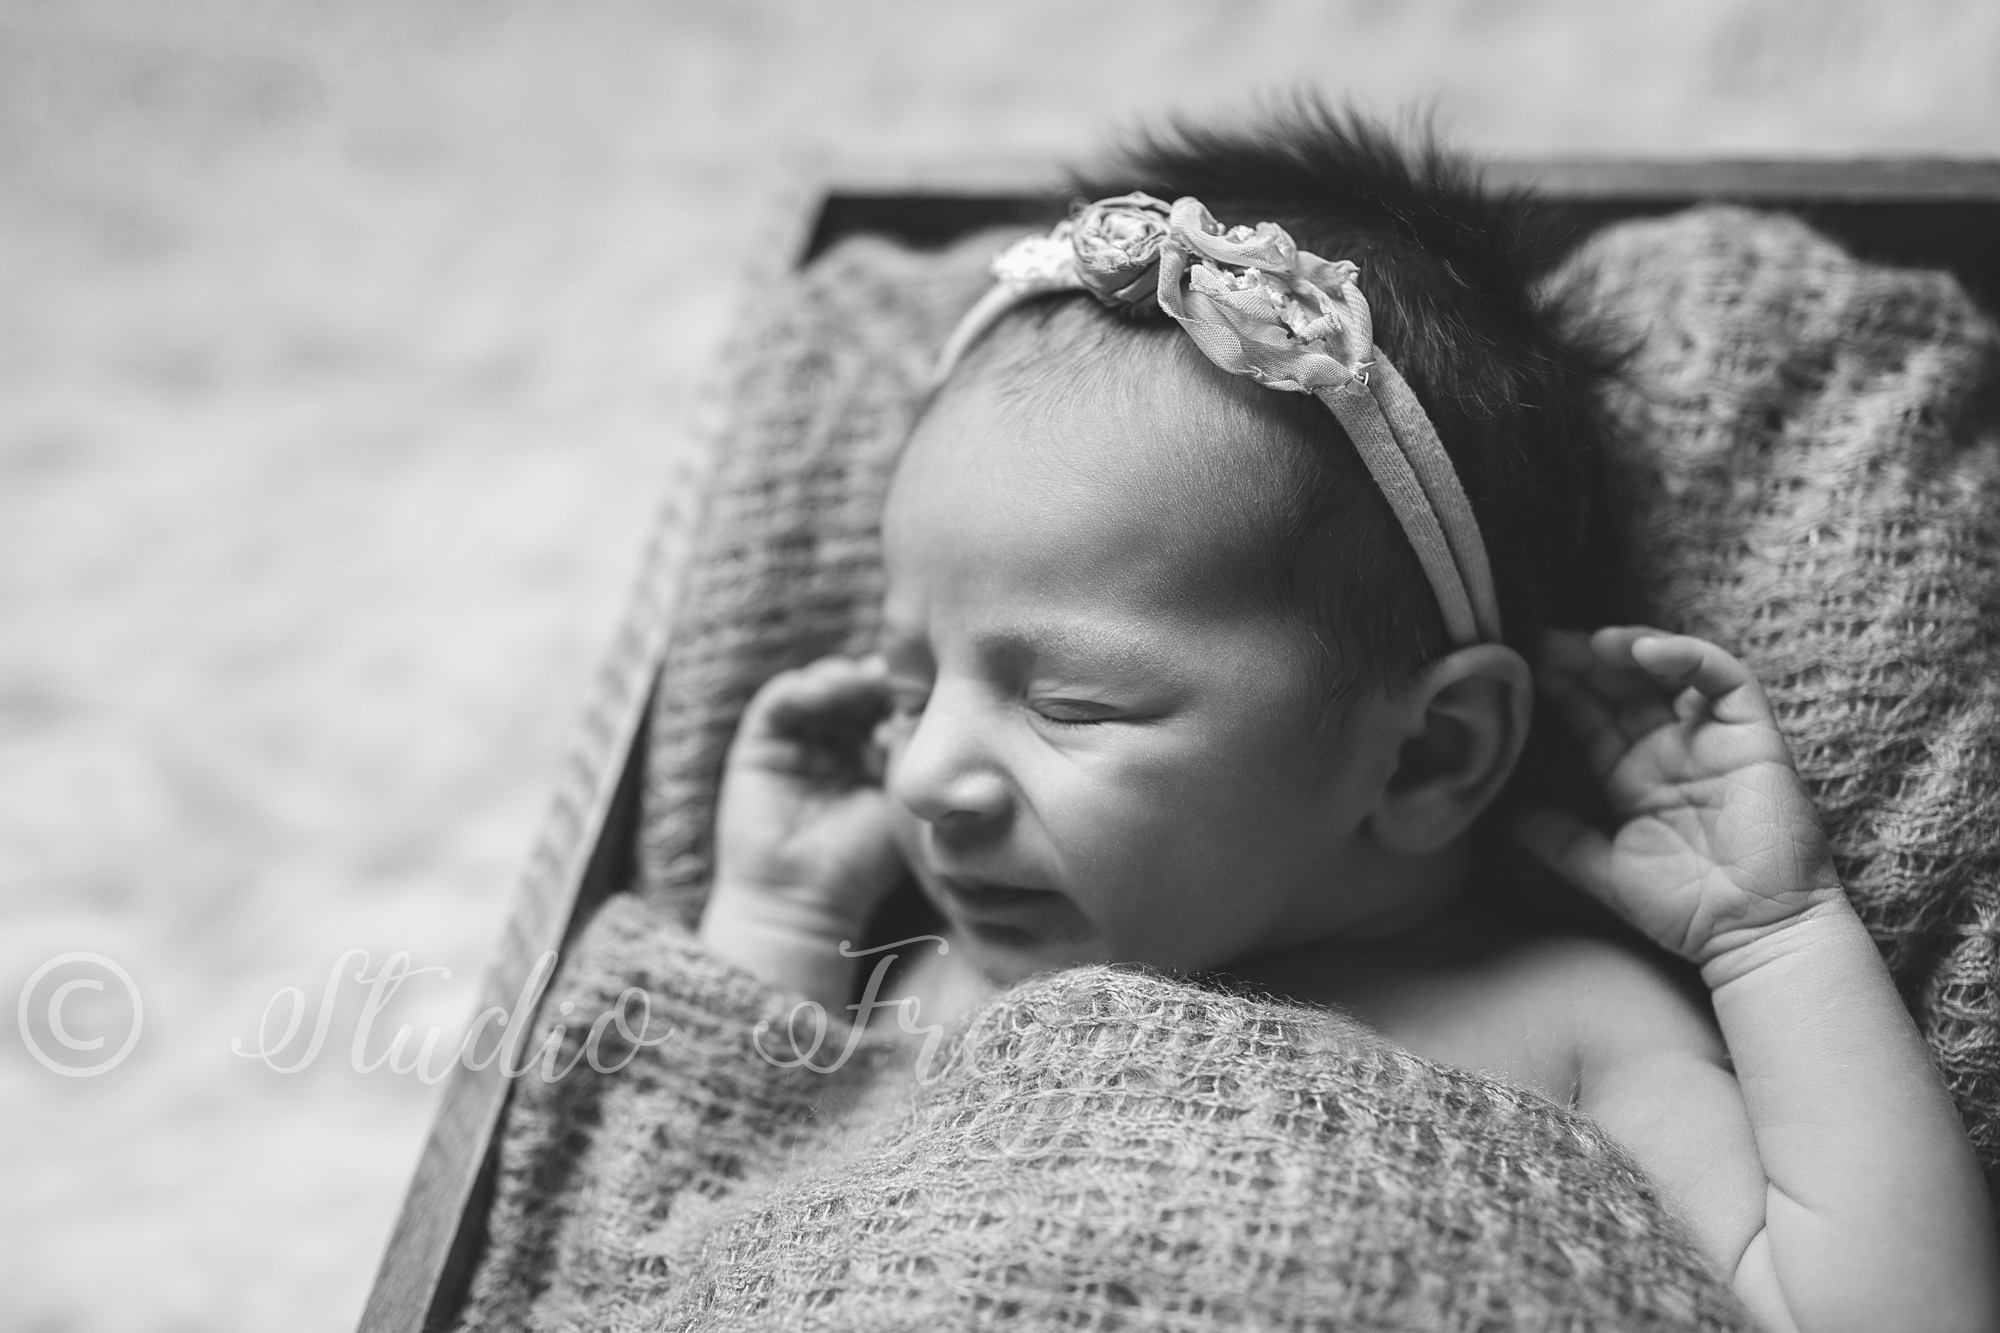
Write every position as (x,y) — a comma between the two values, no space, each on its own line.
(1593,722)
(1681,662)
(1608,707)
(829,708)
(1566,659)
(1571,848)
(833,689)
(1600,663)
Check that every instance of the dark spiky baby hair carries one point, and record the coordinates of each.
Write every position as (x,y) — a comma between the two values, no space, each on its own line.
(1449,268)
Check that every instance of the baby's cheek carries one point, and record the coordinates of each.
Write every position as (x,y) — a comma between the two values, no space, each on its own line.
(1180,881)
(1100,830)
(1126,864)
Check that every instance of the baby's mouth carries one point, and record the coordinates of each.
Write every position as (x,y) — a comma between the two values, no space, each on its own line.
(981,899)
(1013,919)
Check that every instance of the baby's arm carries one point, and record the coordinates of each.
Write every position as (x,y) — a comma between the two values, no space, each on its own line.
(803,849)
(1871,1213)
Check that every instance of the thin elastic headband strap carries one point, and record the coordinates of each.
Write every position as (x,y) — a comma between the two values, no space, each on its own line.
(1362,416)
(1259,307)
(1398,405)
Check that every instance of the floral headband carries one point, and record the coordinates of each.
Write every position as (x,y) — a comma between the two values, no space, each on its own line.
(1257,305)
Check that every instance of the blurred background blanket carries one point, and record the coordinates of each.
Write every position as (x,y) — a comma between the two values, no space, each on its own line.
(1811,451)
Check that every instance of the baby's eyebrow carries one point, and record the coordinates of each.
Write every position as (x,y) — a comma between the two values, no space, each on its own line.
(1019,646)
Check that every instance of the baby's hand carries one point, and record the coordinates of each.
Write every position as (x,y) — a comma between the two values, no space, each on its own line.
(1718,844)
(803,849)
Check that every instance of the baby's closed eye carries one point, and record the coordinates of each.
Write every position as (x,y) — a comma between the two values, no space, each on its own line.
(1067,712)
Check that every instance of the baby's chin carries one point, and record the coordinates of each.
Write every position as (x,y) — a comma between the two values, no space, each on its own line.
(1005,954)
(1013,945)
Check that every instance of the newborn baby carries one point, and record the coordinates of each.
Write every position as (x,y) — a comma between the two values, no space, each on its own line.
(1198,656)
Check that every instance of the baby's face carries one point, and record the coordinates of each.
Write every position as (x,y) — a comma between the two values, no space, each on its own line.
(1100,752)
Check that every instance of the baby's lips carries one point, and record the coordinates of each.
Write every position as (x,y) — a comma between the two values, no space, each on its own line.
(989,898)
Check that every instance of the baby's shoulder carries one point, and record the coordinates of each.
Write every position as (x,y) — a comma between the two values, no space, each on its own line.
(1542,1012)
(1613,1000)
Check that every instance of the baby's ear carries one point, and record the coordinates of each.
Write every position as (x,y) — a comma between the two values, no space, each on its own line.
(1464,720)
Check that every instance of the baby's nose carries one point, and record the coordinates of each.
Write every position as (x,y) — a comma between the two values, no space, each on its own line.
(944,773)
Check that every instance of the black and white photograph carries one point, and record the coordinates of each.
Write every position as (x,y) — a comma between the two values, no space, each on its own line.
(1165,667)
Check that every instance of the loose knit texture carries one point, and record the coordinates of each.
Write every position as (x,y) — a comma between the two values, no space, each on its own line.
(1811,458)
(1809,452)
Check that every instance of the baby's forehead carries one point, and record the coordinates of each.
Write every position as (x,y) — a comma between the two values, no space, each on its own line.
(1110,423)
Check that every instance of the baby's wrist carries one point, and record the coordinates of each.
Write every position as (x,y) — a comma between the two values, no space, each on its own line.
(806,912)
(794,945)
(1750,953)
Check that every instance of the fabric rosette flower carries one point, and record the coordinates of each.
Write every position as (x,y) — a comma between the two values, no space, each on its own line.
(1255,303)
(1117,243)
(1259,306)
(1036,264)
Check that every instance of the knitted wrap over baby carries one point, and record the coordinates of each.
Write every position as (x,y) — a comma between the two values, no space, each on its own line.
(1811,451)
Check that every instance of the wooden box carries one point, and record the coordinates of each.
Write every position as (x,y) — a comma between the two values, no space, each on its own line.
(1918,212)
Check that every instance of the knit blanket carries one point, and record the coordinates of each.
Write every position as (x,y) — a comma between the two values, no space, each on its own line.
(1810,449)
